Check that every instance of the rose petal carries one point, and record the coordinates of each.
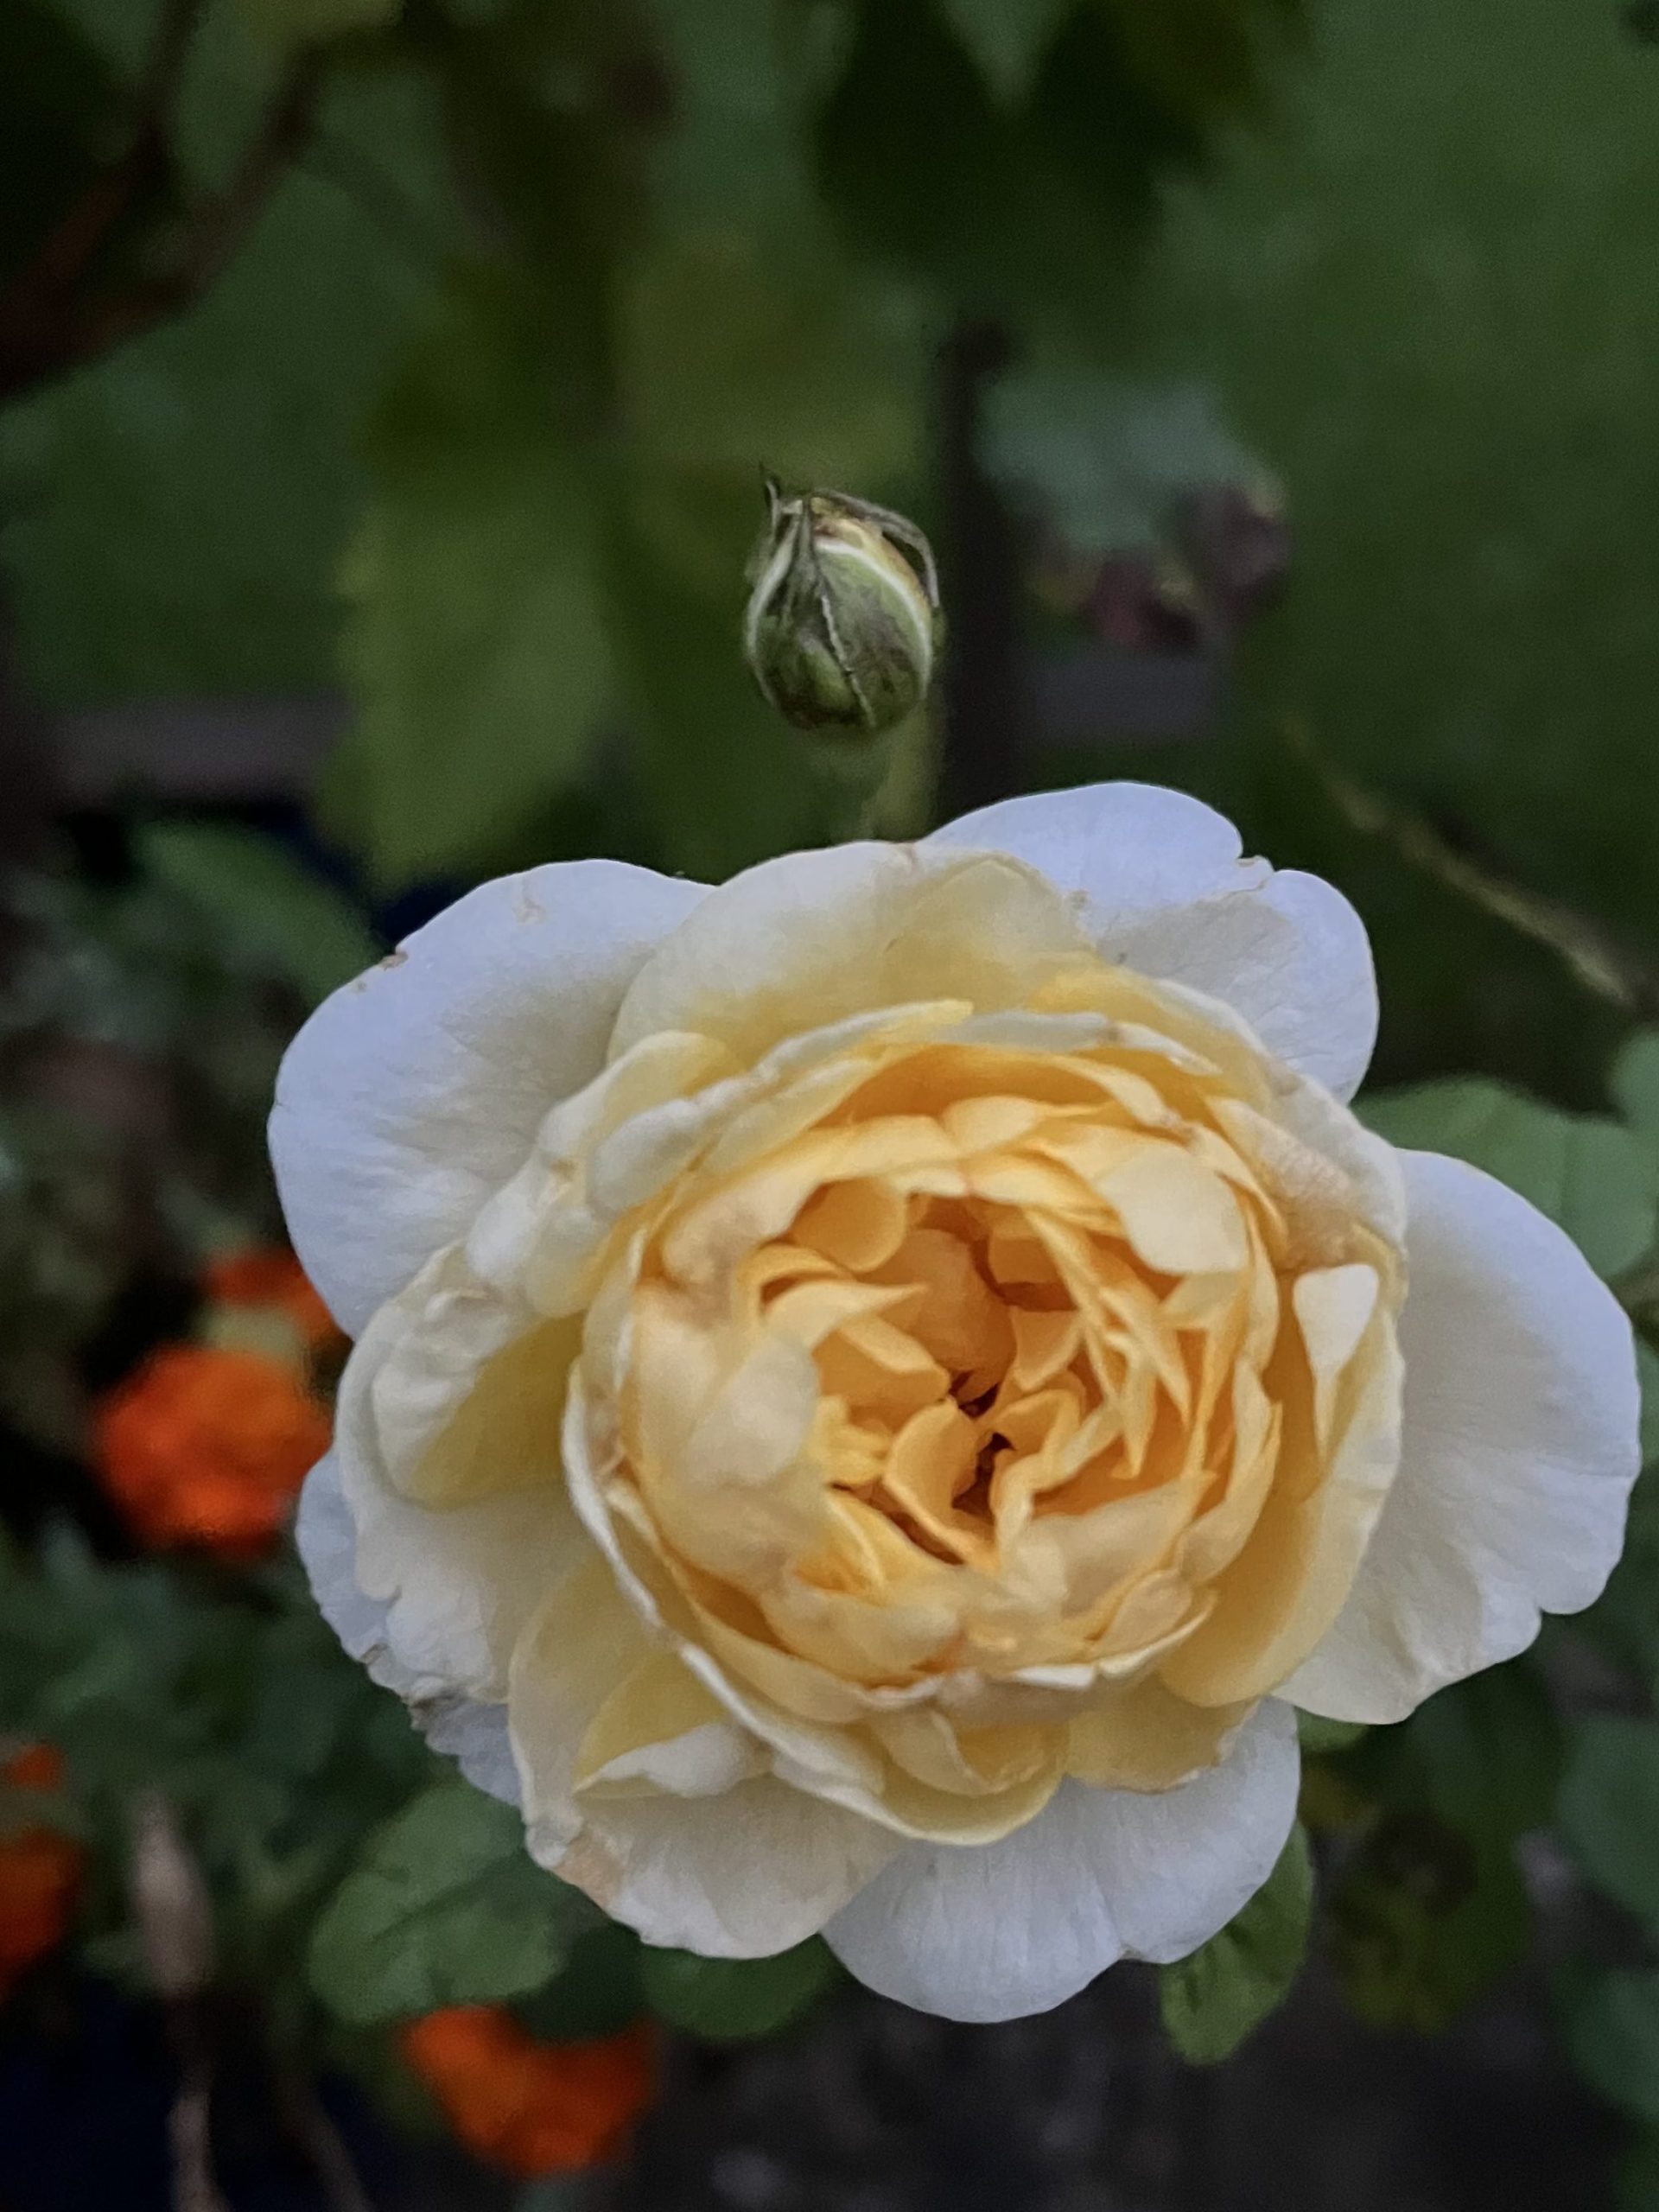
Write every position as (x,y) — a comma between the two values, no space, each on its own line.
(997,1931)
(1518,1452)
(741,1874)
(417,1089)
(459,1581)
(1168,893)
(473,1735)
(799,943)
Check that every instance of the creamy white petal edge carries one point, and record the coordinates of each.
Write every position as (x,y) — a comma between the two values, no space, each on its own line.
(474,1735)
(1166,890)
(1519,1449)
(996,1931)
(415,1091)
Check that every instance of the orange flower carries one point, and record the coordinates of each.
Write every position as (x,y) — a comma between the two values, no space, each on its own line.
(532,2107)
(40,1873)
(38,1767)
(268,1277)
(206,1445)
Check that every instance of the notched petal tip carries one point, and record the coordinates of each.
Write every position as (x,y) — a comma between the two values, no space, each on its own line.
(1165,888)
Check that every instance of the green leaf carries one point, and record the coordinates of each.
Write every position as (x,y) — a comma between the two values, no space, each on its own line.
(1321,1738)
(1610,1810)
(1298,281)
(1213,2000)
(1586,1171)
(743,74)
(477,641)
(443,1907)
(726,782)
(729,2001)
(1422,1919)
(263,899)
(1007,38)
(173,516)
(1624,1620)
(1486,1754)
(597,1993)
(309,22)
(1035,206)
(1634,1081)
(736,356)
(960,203)
(1612,2033)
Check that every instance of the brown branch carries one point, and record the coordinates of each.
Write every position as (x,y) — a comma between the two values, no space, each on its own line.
(312,2128)
(218,228)
(46,328)
(163,79)
(70,249)
(173,1917)
(189,2137)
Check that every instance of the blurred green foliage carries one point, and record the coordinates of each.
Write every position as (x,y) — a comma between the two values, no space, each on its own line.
(443,1907)
(542,292)
(729,2001)
(1423,300)
(473,417)
(1585,1171)
(1210,2001)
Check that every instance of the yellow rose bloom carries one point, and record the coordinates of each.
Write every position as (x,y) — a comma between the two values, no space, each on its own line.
(881,1386)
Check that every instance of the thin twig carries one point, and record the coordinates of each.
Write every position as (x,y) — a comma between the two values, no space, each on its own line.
(218,227)
(322,2141)
(70,250)
(190,2141)
(173,1915)
(177,23)
(1595,956)
(45,330)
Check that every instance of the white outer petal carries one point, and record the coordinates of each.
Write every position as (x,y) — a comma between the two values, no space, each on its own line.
(417,1089)
(459,1581)
(472,1734)
(1519,1449)
(995,1931)
(741,1876)
(1164,890)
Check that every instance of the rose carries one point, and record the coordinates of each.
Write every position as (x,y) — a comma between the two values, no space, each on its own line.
(881,1386)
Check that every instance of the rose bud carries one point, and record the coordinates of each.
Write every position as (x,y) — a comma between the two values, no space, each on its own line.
(844,623)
